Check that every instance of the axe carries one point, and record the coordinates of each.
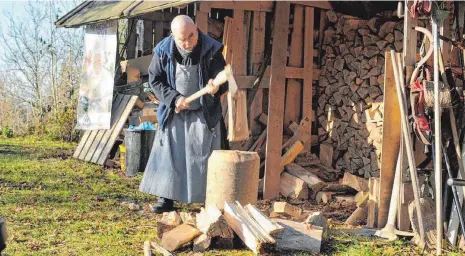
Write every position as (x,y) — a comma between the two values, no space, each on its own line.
(238,129)
(224,76)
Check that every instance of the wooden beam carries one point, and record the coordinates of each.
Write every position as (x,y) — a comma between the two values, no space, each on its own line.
(293,89)
(201,17)
(246,82)
(391,141)
(257,53)
(239,56)
(276,101)
(201,20)
(317,4)
(265,6)
(307,99)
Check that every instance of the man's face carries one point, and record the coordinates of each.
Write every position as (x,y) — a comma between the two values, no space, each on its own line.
(186,37)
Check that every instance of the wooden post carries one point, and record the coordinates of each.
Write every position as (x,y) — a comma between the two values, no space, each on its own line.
(257,53)
(391,141)
(293,90)
(307,100)
(276,101)
(148,38)
(132,37)
(201,17)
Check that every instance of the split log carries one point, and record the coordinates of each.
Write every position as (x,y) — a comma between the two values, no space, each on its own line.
(326,154)
(187,218)
(283,207)
(298,236)
(358,217)
(254,238)
(211,222)
(317,219)
(291,154)
(293,187)
(361,199)
(160,249)
(355,182)
(147,249)
(179,236)
(324,197)
(270,226)
(303,174)
(346,198)
(334,187)
(169,221)
(201,243)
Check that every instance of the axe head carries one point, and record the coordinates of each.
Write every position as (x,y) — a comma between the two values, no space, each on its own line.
(231,81)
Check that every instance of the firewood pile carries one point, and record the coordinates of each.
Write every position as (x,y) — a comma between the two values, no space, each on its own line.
(213,229)
(351,85)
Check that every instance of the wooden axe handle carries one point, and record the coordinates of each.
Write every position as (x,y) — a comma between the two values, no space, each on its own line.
(220,79)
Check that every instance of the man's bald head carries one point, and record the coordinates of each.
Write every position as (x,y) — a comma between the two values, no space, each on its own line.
(184,32)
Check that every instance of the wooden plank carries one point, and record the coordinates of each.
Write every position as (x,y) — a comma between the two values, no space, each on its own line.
(276,101)
(81,144)
(201,20)
(265,6)
(107,134)
(148,38)
(117,129)
(257,55)
(317,4)
(391,141)
(293,89)
(88,144)
(373,185)
(268,225)
(100,134)
(307,96)
(227,39)
(239,60)
(406,196)
(246,82)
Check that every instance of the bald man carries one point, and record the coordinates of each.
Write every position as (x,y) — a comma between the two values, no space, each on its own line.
(182,64)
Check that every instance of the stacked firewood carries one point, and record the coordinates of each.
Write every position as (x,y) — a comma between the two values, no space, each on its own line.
(212,228)
(351,84)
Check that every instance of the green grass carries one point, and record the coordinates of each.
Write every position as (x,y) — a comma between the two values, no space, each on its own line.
(56,205)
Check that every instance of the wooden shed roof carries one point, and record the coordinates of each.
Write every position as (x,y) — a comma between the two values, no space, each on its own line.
(96,11)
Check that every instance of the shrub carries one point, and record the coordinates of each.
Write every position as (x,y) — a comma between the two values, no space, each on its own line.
(7,132)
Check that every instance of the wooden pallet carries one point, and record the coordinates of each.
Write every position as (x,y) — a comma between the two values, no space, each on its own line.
(95,146)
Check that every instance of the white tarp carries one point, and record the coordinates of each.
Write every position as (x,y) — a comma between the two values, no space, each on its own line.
(97,77)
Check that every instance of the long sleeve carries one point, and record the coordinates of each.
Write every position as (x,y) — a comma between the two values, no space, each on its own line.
(217,65)
(158,81)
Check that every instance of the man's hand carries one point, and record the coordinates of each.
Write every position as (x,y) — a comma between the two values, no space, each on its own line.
(211,89)
(181,104)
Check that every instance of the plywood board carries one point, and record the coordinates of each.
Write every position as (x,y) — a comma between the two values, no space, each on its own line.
(293,89)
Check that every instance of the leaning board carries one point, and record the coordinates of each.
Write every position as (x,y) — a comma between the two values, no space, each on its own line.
(96,145)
